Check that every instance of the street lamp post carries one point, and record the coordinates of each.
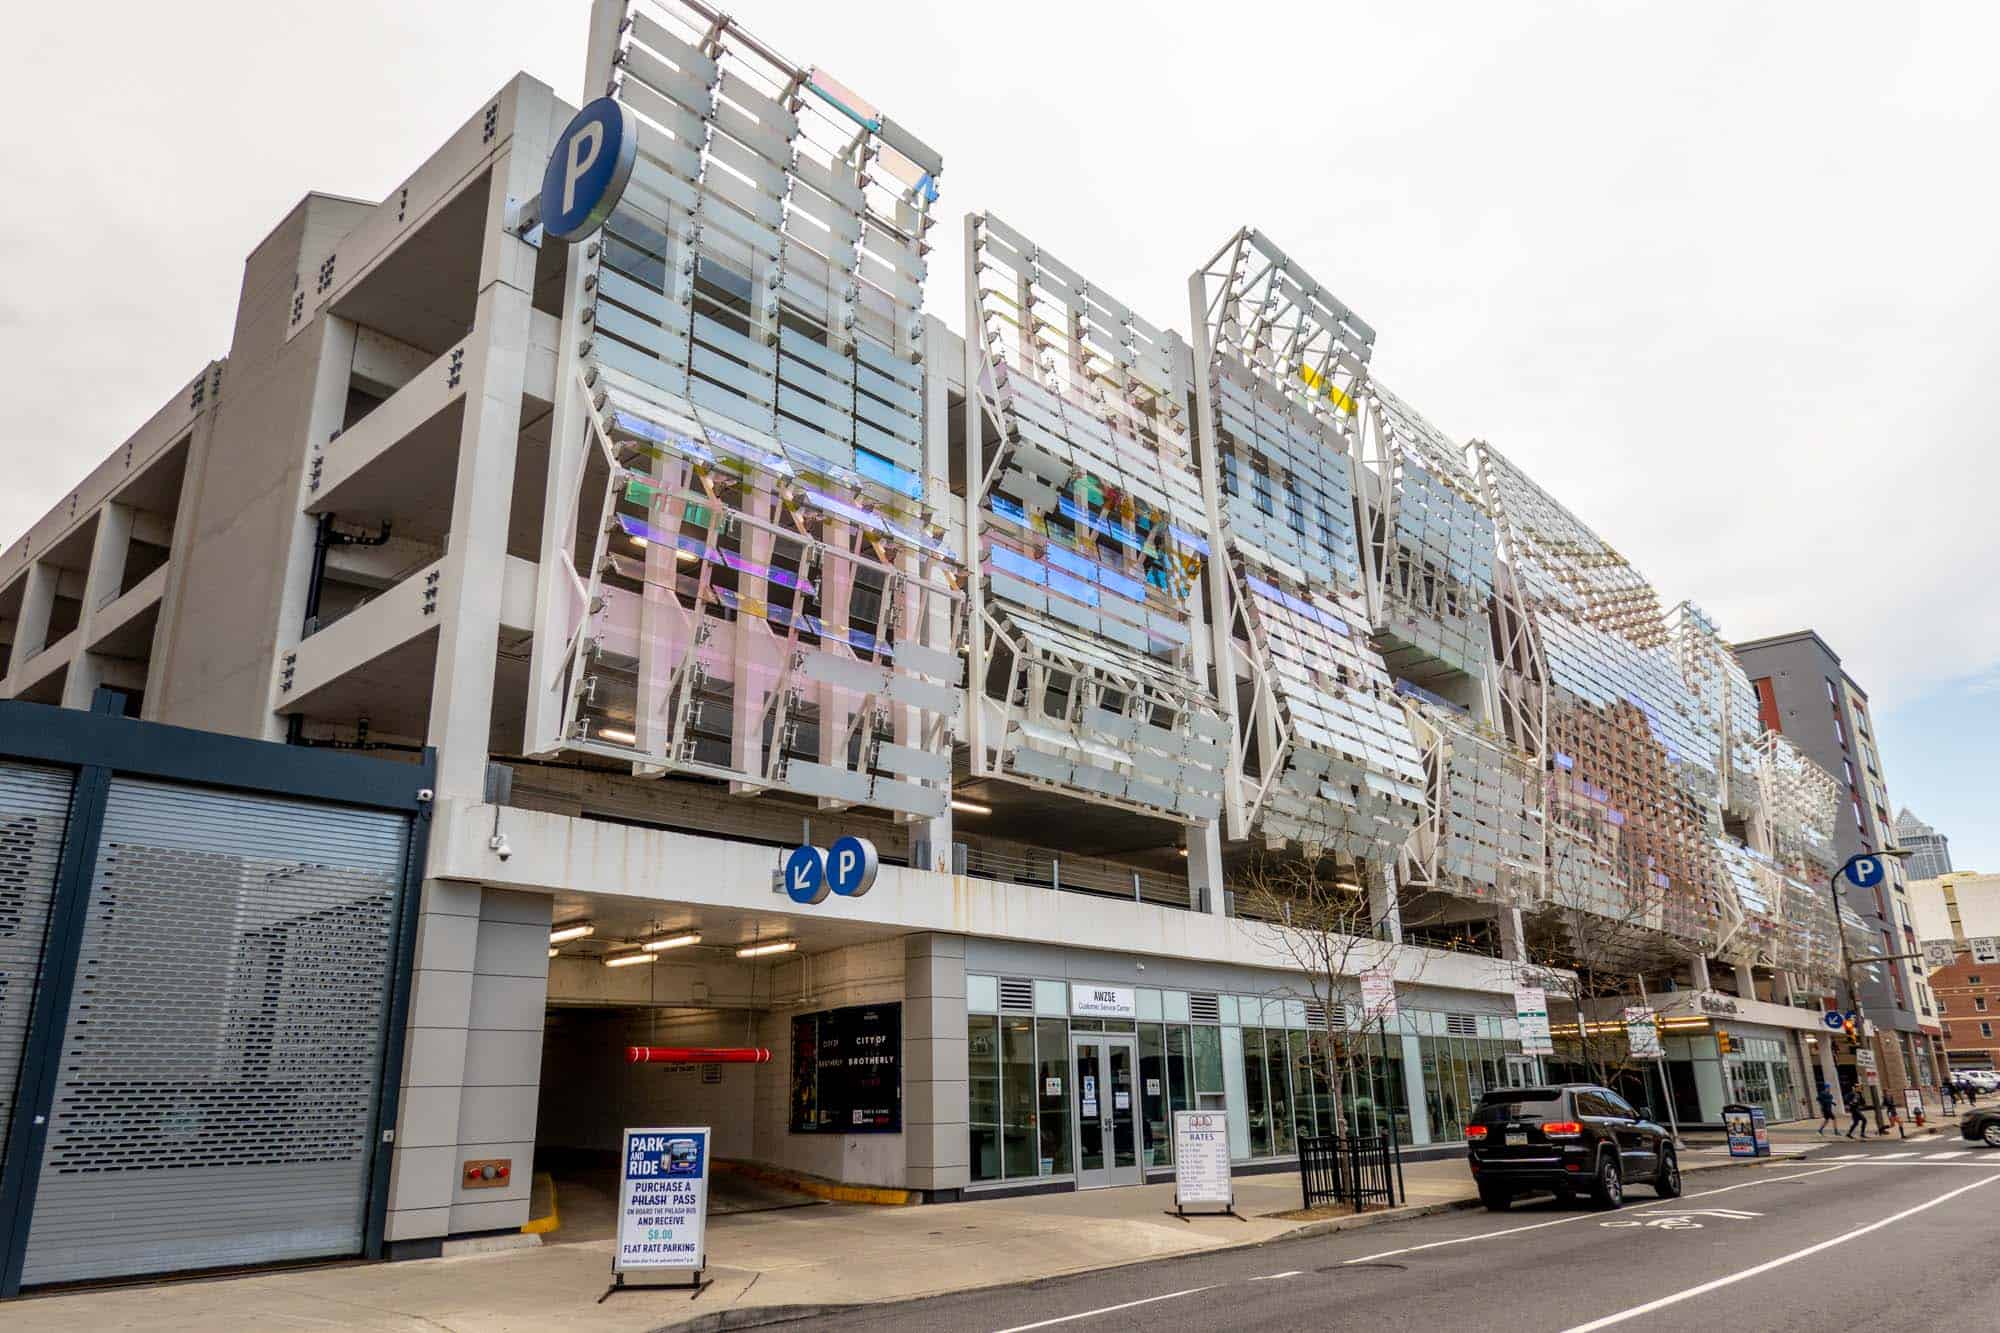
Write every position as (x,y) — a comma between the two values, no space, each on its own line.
(1864,870)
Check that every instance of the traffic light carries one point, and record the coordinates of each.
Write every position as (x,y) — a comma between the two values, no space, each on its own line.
(1721,1042)
(1847,1026)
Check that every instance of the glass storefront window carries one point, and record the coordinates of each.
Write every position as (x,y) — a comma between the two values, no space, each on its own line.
(1208,1068)
(1256,1110)
(1306,1083)
(1020,1144)
(1053,1066)
(1180,1096)
(1457,1071)
(982,1041)
(1277,1062)
(1153,1083)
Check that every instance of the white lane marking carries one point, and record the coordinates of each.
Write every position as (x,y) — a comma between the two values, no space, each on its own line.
(1892,1156)
(1272,1277)
(1940,1156)
(1779,1262)
(1109,1309)
(1579,1217)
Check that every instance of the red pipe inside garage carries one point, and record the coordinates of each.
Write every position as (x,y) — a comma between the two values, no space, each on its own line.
(697,1055)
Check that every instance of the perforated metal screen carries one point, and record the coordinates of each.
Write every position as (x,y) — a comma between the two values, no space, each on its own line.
(34,807)
(216,1098)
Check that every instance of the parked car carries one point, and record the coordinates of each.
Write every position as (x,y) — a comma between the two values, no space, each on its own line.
(1983,1079)
(1982,1125)
(1571,1138)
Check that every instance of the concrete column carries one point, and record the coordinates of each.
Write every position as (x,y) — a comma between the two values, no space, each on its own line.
(1698,967)
(935,1090)
(1204,868)
(474,573)
(472,579)
(325,415)
(423,1177)
(1385,914)
(38,603)
(472,1060)
(1513,936)
(1746,982)
(108,552)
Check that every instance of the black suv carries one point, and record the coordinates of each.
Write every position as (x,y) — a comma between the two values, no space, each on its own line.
(1576,1136)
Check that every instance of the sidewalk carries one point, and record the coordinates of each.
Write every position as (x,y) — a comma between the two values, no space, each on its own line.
(763,1263)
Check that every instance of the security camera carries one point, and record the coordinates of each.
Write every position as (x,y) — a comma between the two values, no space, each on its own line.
(498,842)
(425,795)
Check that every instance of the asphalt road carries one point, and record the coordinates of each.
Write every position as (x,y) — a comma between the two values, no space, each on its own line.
(1882,1236)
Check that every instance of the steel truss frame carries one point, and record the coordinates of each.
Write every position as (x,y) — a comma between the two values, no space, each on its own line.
(1134,731)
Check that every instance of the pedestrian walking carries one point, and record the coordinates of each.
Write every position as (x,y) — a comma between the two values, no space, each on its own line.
(1826,1109)
(1858,1108)
(1893,1115)
(1950,1096)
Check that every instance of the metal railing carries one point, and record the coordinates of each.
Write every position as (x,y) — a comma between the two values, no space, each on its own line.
(1075,874)
(1353,1170)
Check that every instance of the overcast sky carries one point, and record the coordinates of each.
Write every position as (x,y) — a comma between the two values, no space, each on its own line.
(1722,277)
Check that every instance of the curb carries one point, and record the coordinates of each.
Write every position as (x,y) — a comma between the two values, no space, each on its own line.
(549,1221)
(756,1316)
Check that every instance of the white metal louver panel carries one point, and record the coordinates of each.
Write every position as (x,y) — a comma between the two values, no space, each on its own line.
(34,809)
(219,1079)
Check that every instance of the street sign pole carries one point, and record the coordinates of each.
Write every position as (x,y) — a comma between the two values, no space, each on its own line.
(1864,870)
(1666,1085)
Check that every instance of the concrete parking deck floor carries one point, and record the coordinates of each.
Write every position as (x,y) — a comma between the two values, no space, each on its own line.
(761,1261)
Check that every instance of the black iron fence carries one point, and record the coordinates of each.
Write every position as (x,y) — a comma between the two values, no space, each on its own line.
(1355,1170)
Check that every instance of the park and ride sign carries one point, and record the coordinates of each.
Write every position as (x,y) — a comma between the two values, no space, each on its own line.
(662,1202)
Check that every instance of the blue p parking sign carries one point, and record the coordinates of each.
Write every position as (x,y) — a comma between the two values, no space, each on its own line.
(1865,872)
(588,170)
(851,864)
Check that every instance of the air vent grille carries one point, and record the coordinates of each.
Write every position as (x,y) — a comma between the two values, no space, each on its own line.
(1017,995)
(1204,1009)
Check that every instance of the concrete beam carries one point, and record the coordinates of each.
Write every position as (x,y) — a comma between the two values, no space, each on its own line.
(44,664)
(557,853)
(365,633)
(426,394)
(108,621)
(382,364)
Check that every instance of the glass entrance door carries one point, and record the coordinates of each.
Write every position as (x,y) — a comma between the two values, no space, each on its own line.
(1107,1110)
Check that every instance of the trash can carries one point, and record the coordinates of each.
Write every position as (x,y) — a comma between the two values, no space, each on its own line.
(1740,1124)
(1760,1130)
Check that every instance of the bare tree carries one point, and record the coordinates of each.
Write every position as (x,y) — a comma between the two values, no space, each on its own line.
(1330,934)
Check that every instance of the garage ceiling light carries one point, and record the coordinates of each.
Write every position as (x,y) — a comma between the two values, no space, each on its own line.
(672,942)
(971,807)
(616,735)
(759,950)
(576,930)
(628,959)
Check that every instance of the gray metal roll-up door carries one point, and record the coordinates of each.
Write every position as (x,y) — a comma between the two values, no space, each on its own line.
(34,809)
(216,1096)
